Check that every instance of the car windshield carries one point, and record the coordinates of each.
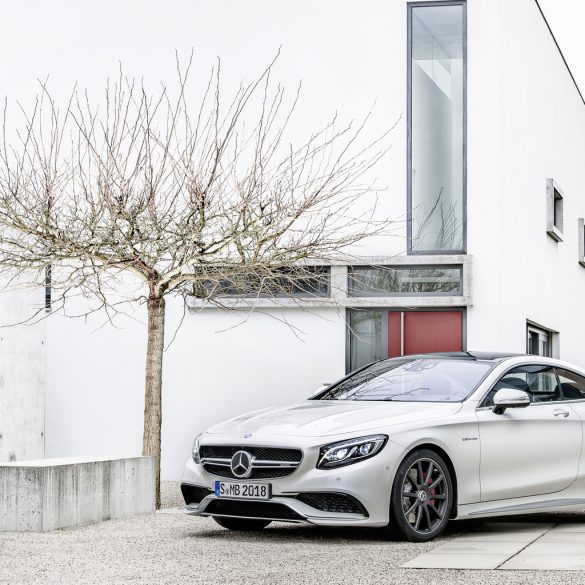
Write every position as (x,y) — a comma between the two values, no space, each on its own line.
(414,380)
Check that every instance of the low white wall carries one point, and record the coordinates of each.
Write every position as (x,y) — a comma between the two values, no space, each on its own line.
(50,494)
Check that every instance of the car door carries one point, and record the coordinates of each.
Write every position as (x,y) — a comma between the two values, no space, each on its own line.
(528,451)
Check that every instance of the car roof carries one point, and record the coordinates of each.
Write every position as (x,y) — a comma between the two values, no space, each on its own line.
(488,356)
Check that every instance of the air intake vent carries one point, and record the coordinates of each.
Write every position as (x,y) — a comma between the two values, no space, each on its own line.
(268,510)
(333,502)
(193,494)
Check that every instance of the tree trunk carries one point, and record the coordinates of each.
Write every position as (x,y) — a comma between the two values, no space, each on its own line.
(153,392)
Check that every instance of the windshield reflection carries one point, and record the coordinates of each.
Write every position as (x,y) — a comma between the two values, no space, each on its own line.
(418,380)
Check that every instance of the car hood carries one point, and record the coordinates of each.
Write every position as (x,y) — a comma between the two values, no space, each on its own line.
(318,418)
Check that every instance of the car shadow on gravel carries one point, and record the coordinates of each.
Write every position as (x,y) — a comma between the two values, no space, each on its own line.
(339,535)
(313,534)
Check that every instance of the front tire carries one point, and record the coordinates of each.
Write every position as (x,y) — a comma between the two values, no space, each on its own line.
(241,524)
(422,497)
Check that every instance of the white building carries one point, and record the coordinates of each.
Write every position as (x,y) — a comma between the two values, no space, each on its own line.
(487,162)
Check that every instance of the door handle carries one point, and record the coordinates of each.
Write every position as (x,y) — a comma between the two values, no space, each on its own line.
(561,412)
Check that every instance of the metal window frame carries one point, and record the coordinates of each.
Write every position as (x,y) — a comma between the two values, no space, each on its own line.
(399,267)
(387,310)
(552,338)
(410,6)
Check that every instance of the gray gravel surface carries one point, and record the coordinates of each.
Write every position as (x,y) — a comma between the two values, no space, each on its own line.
(171,548)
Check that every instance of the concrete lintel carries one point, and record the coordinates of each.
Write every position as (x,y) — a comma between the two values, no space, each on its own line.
(339,293)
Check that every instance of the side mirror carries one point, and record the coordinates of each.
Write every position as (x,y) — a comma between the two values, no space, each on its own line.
(510,398)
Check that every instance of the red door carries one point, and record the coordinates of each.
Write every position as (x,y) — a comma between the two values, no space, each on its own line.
(411,332)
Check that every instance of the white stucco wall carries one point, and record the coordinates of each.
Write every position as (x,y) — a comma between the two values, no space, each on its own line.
(526,122)
(348,63)
(95,390)
(22,376)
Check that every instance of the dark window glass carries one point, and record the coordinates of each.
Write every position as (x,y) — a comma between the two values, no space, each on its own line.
(419,380)
(538,381)
(538,341)
(405,280)
(558,211)
(308,281)
(48,288)
(572,385)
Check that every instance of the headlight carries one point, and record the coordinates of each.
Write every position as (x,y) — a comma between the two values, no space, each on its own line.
(351,451)
(195,451)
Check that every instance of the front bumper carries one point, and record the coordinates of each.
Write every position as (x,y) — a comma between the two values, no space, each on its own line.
(369,482)
(278,508)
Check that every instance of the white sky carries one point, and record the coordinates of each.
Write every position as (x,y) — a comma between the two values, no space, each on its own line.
(36,35)
(566,18)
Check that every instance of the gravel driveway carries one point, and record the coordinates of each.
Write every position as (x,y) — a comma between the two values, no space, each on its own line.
(169,547)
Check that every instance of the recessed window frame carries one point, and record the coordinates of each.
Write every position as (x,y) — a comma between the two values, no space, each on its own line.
(409,236)
(581,240)
(322,276)
(554,210)
(384,293)
(384,325)
(552,337)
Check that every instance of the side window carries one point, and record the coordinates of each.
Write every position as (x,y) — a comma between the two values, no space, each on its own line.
(538,381)
(572,385)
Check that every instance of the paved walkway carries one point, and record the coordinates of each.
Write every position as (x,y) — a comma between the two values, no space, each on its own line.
(505,546)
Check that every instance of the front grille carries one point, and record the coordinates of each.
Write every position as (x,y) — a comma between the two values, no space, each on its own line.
(267,462)
(265,453)
(272,510)
(193,494)
(223,471)
(333,502)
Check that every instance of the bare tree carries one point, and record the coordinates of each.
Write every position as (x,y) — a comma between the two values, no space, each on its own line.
(180,199)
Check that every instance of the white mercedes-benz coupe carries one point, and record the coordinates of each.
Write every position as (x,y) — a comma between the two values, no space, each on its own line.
(408,443)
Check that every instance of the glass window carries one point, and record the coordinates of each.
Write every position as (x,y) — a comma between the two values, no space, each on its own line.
(538,341)
(405,280)
(581,228)
(538,381)
(572,385)
(418,380)
(436,127)
(306,281)
(368,337)
(554,210)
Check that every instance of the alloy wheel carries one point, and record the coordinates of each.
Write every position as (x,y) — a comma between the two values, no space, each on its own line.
(425,495)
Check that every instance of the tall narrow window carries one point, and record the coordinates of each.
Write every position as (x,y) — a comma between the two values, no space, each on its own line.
(48,291)
(436,127)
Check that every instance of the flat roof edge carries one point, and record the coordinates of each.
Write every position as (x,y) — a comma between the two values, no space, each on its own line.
(560,51)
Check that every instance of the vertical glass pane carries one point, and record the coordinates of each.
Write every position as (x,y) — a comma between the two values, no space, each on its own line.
(437,127)
(368,337)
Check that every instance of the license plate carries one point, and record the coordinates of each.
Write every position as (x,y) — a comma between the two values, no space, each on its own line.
(243,491)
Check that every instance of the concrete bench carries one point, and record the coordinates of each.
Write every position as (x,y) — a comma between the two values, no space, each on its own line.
(57,493)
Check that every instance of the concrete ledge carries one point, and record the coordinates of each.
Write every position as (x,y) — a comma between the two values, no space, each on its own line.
(49,494)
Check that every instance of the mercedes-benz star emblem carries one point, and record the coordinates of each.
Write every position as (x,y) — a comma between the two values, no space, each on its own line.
(241,464)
